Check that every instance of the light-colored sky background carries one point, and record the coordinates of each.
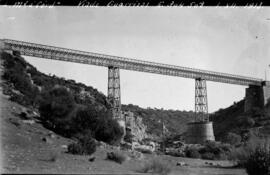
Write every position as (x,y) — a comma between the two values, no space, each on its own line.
(231,40)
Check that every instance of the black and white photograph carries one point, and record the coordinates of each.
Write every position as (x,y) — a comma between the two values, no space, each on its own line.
(164,90)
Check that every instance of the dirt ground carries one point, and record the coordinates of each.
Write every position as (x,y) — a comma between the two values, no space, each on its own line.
(23,150)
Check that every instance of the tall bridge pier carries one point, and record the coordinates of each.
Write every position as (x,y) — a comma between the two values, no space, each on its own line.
(201,129)
(114,95)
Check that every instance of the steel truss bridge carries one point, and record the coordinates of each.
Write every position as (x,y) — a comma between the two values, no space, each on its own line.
(114,63)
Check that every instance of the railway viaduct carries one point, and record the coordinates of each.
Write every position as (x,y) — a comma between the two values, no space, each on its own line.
(257,91)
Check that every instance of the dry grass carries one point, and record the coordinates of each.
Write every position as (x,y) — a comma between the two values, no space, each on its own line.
(241,154)
(156,166)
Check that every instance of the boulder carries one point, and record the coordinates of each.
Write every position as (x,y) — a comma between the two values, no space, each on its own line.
(64,146)
(24,115)
(91,158)
(47,140)
(102,144)
(126,146)
(28,121)
(145,149)
(181,164)
(51,135)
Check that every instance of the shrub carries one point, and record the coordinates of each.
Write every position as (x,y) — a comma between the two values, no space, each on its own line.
(193,153)
(208,156)
(258,162)
(108,130)
(116,156)
(216,148)
(101,124)
(86,119)
(85,146)
(75,148)
(156,166)
(56,106)
(249,122)
(233,139)
(241,154)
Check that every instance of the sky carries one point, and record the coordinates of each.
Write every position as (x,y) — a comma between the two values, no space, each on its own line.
(229,40)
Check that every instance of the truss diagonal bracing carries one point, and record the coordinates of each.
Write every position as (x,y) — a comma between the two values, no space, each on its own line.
(114,95)
(201,106)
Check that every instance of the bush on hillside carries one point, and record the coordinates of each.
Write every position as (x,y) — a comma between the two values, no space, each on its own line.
(58,108)
(241,154)
(86,119)
(15,73)
(101,124)
(108,130)
(55,108)
(85,146)
(258,163)
(233,139)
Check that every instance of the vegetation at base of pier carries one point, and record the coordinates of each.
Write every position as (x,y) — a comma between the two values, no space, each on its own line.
(210,150)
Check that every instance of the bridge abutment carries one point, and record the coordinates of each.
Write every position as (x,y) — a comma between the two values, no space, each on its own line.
(257,96)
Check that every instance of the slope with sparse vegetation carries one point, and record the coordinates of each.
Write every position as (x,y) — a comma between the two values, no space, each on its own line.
(233,122)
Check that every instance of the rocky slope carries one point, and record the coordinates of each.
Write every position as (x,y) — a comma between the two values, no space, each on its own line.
(234,119)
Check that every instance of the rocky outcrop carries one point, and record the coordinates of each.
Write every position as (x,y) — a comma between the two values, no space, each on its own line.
(135,127)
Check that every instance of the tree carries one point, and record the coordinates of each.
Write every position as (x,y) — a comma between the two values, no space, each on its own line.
(55,107)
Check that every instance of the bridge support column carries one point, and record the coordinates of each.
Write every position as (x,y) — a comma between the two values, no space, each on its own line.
(114,96)
(201,129)
(201,105)
(257,96)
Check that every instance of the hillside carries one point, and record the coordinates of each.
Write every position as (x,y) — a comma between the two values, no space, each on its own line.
(25,85)
(234,119)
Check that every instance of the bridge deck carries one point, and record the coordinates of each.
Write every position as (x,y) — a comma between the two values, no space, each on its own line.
(63,54)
